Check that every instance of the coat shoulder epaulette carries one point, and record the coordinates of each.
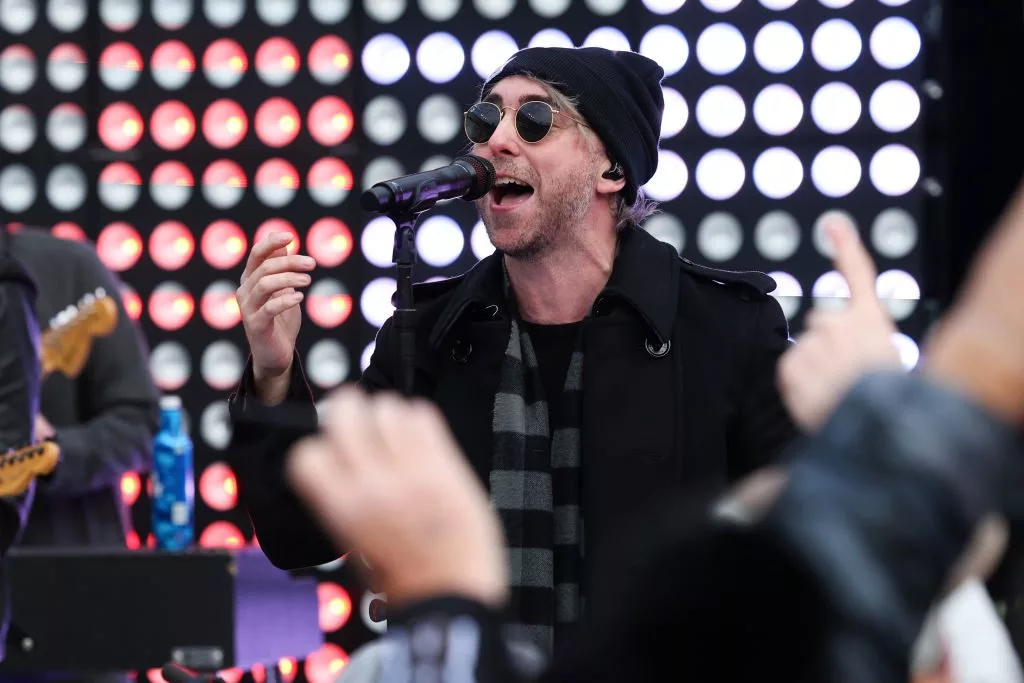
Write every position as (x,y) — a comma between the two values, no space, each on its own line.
(425,292)
(750,282)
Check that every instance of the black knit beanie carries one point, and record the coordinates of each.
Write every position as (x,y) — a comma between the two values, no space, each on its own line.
(619,94)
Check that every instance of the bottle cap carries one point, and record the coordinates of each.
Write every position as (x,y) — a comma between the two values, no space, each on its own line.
(170,403)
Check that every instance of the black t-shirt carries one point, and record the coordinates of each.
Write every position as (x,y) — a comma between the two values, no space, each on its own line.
(553,345)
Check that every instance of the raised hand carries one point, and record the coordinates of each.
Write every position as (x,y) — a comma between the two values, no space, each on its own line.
(838,346)
(268,299)
(385,478)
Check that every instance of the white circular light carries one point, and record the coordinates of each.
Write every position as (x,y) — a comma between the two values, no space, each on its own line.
(384,120)
(120,15)
(171,15)
(17,188)
(777,235)
(667,46)
(721,49)
(719,236)
(550,8)
(381,169)
(664,6)
(836,45)
(605,8)
(778,109)
(440,57)
(66,69)
(17,16)
(819,235)
(836,4)
(66,127)
(895,170)
(668,229)
(608,38)
(778,173)
(910,353)
(215,425)
(224,13)
(277,12)
(66,15)
(676,113)
(367,355)
(670,179)
(66,187)
(787,292)
(720,174)
(721,111)
(170,365)
(836,171)
(385,58)
(329,11)
(436,161)
(836,108)
(550,37)
(895,43)
(375,301)
(439,241)
(898,292)
(831,291)
(778,5)
(384,11)
(378,241)
(494,9)
(17,69)
(778,47)
(328,364)
(894,106)
(17,128)
(440,10)
(894,233)
(439,119)
(479,242)
(222,364)
(720,5)
(490,51)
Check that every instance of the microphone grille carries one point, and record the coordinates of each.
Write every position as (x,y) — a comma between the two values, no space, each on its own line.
(483,178)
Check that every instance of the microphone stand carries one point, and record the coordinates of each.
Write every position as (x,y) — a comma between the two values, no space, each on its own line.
(404,257)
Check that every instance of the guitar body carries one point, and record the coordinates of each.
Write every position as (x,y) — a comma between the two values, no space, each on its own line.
(18,468)
(68,341)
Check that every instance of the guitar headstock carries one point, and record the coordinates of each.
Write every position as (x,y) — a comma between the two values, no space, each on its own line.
(18,468)
(68,340)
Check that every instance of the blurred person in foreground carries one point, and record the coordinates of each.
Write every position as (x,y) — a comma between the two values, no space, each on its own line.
(829,578)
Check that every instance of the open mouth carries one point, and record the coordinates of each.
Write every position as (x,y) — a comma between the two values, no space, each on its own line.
(508,192)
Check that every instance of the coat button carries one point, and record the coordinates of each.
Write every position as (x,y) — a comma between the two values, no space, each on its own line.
(658,351)
(461,351)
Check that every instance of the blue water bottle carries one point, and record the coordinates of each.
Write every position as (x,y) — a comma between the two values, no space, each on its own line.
(173,482)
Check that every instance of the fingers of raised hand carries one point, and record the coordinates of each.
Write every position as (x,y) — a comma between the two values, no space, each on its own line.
(852,260)
(274,244)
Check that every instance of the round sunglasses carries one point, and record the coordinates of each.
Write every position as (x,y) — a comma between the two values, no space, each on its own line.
(534,120)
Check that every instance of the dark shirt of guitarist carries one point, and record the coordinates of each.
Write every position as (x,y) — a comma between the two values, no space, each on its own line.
(103,420)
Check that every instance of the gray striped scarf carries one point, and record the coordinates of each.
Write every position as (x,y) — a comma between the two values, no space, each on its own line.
(536,488)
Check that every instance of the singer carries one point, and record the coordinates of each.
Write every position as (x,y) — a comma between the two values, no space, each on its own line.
(584,368)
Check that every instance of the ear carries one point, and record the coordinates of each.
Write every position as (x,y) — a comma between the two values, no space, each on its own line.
(611,180)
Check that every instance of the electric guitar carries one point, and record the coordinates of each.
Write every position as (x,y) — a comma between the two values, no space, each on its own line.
(67,342)
(18,468)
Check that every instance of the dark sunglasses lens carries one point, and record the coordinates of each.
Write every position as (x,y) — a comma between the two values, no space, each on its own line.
(482,120)
(533,121)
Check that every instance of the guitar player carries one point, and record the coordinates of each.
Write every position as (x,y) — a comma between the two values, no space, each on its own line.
(103,420)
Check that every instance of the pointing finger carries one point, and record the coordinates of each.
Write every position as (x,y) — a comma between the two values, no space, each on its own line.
(852,260)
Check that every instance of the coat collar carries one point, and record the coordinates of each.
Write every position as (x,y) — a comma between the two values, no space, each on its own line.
(645,276)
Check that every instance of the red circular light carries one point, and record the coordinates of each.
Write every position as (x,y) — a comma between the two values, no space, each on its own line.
(277,60)
(259,671)
(67,52)
(330,59)
(119,246)
(221,534)
(288,667)
(131,301)
(171,184)
(224,63)
(120,173)
(219,307)
(218,487)
(223,244)
(330,120)
(172,64)
(171,245)
(335,606)
(325,665)
(132,540)
(224,183)
(276,182)
(278,225)
(225,124)
(119,65)
(277,122)
(172,125)
(131,487)
(120,126)
(329,241)
(328,304)
(171,306)
(329,181)
(67,230)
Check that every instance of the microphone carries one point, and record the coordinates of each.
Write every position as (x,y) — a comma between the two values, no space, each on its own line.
(468,177)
